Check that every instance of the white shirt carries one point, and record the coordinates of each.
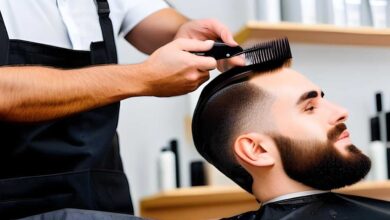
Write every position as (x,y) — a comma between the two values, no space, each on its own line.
(72,24)
(294,195)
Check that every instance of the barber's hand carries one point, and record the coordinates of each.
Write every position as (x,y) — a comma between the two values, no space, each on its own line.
(209,29)
(171,70)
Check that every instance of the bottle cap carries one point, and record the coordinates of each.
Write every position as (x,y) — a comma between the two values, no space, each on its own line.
(375,129)
(165,149)
(174,148)
(378,98)
(387,119)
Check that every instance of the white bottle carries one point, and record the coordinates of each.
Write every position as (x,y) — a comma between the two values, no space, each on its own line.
(378,160)
(301,11)
(378,152)
(378,13)
(309,12)
(354,9)
(339,13)
(166,170)
(268,10)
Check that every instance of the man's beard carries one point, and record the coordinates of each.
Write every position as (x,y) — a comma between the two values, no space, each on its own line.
(320,165)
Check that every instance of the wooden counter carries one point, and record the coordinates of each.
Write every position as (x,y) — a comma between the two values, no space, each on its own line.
(214,202)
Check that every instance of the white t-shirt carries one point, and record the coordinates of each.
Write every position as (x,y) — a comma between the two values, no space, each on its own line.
(72,24)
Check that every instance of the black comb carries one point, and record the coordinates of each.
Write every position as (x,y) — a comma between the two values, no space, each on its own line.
(263,56)
(275,50)
(258,53)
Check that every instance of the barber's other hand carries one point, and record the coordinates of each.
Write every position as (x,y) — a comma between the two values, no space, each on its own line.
(171,70)
(209,29)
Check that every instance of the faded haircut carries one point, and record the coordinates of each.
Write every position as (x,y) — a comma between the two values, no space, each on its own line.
(227,113)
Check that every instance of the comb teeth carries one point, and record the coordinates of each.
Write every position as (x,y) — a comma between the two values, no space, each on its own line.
(274,50)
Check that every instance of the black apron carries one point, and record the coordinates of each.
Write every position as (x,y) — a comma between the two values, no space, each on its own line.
(72,162)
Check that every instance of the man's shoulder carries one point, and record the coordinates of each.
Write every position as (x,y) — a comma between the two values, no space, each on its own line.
(361,199)
(322,206)
(343,206)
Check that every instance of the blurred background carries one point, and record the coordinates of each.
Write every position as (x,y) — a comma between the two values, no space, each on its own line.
(350,75)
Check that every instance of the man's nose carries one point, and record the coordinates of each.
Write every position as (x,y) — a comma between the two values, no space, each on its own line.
(338,114)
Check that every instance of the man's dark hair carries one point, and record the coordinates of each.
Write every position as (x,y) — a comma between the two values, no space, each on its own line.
(227,108)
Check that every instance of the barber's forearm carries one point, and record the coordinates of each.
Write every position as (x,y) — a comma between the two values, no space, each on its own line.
(31,94)
(156,30)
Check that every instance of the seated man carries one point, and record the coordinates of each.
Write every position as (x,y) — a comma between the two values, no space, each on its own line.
(270,130)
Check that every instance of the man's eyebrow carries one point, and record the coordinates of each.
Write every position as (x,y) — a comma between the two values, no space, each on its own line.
(309,95)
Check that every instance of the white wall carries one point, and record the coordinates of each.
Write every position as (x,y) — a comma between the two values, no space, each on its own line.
(348,75)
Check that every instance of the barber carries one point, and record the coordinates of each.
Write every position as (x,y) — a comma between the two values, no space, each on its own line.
(60,88)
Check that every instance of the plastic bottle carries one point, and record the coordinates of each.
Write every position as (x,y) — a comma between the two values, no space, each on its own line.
(387,119)
(175,149)
(378,152)
(166,170)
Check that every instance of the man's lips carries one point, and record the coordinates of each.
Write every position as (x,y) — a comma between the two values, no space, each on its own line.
(344,134)
(343,141)
(335,133)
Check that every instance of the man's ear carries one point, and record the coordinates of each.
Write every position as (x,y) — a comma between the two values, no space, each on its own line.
(252,148)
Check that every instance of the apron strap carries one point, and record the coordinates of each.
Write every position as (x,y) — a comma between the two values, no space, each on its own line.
(4,42)
(107,30)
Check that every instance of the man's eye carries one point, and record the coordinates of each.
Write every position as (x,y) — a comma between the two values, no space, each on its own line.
(309,108)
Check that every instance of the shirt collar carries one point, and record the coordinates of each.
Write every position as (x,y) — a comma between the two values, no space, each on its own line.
(294,195)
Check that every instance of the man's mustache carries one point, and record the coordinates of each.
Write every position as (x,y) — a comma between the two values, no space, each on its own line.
(335,132)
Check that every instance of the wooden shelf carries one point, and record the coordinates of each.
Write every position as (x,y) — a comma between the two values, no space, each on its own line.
(197,203)
(215,202)
(315,34)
